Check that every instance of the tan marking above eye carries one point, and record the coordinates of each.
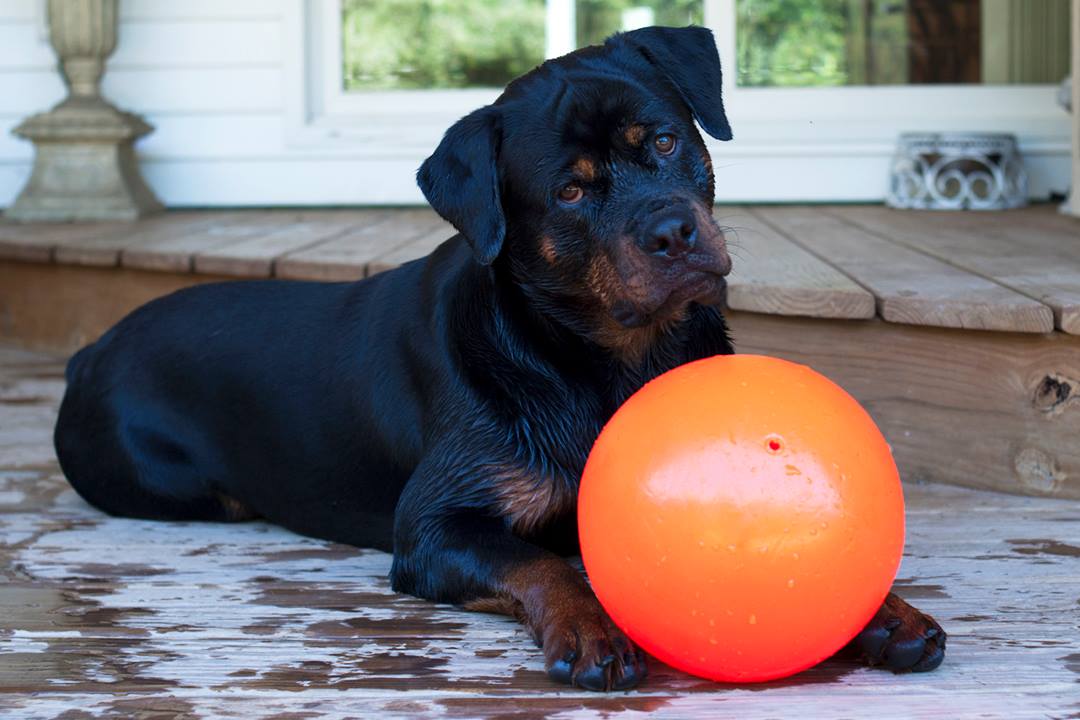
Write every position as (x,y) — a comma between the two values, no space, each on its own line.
(585,169)
(634,135)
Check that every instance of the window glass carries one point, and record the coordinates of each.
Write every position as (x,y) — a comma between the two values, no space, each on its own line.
(418,44)
(786,43)
(597,19)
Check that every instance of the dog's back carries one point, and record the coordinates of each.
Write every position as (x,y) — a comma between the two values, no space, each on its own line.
(269,398)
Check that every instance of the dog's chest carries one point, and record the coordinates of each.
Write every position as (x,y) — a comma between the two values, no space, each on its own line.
(552,446)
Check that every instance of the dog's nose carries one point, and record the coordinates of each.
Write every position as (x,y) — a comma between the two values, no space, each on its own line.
(671,236)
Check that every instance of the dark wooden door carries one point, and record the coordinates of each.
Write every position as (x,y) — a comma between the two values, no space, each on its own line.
(945,42)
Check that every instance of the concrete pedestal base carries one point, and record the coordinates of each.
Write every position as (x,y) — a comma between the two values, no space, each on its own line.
(84,165)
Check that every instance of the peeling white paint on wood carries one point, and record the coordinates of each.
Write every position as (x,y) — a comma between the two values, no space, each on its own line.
(106,617)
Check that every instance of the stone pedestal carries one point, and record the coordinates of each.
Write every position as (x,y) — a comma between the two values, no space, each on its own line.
(84,161)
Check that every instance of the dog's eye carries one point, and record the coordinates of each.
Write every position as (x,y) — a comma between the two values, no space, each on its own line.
(571,194)
(664,143)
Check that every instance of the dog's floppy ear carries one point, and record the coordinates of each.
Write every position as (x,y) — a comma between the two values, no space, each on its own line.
(688,58)
(461,182)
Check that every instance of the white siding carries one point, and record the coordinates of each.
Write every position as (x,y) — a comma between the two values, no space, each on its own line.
(207,74)
(223,83)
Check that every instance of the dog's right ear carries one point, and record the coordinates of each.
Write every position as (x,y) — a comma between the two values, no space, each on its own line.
(461,181)
(687,56)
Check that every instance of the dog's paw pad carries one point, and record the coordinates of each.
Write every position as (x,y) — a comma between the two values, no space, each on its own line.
(591,653)
(902,639)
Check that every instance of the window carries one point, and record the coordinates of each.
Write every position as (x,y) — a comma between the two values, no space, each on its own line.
(817,90)
(793,43)
(432,44)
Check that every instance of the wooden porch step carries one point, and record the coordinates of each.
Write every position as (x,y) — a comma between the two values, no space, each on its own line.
(960,333)
(1016,271)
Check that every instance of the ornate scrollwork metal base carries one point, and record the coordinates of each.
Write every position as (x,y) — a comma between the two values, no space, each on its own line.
(957,171)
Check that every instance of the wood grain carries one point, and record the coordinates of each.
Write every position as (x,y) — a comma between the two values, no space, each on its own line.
(434,233)
(981,409)
(104,250)
(175,253)
(909,286)
(348,256)
(256,256)
(773,275)
(110,617)
(1019,249)
(63,307)
(35,242)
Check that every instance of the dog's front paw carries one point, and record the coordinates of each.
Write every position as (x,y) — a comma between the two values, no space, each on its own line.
(586,649)
(901,638)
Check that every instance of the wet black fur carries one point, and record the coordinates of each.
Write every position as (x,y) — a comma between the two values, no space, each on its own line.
(386,413)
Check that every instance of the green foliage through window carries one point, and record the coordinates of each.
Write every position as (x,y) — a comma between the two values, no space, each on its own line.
(819,42)
(597,19)
(439,43)
(394,44)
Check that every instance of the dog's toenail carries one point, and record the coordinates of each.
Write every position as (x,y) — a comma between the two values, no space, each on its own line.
(931,661)
(561,671)
(593,678)
(872,642)
(904,654)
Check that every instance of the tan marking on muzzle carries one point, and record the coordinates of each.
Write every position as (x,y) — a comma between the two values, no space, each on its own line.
(712,237)
(547,249)
(629,345)
(602,279)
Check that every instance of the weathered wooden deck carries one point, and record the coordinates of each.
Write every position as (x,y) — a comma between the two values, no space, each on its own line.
(110,618)
(1015,271)
(959,331)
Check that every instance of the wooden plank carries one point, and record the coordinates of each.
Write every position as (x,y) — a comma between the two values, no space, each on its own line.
(36,242)
(1042,262)
(434,232)
(124,618)
(773,275)
(255,257)
(910,286)
(982,409)
(346,257)
(104,250)
(63,307)
(175,252)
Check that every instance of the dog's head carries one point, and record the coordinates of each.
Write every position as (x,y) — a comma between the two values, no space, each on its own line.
(588,181)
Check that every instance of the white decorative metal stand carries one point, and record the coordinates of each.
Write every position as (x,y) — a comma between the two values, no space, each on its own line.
(84,159)
(957,171)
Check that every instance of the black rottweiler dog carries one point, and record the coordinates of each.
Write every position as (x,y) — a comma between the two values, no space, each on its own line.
(444,410)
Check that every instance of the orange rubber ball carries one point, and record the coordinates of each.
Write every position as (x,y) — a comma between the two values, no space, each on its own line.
(741,518)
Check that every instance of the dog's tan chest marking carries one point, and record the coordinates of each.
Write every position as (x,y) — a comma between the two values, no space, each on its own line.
(531,501)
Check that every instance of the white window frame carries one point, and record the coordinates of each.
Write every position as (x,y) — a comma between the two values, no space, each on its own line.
(791,144)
